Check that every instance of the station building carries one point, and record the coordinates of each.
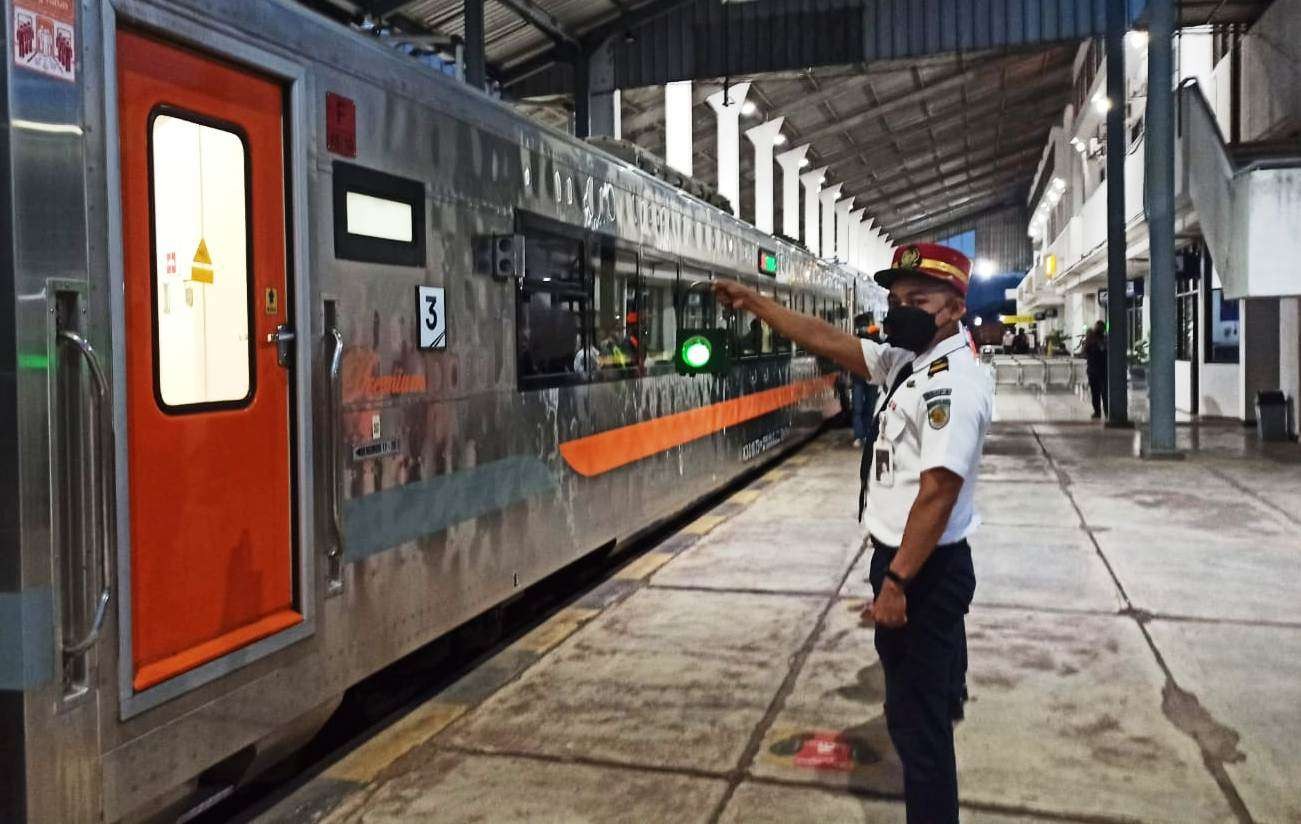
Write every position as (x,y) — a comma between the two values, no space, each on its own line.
(1238,199)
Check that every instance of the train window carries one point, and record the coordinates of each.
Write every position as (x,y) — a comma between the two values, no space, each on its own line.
(752,337)
(779,343)
(614,298)
(201,270)
(552,346)
(800,304)
(378,218)
(695,299)
(657,314)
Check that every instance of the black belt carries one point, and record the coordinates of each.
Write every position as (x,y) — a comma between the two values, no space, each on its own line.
(938,547)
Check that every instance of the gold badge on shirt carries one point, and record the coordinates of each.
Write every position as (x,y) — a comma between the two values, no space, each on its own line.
(937,413)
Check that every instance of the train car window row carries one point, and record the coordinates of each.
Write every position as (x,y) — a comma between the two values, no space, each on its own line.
(588,309)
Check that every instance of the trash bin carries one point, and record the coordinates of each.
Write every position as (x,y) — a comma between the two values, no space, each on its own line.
(1271,415)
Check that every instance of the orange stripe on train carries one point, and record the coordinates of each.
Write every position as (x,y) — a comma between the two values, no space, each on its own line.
(599,453)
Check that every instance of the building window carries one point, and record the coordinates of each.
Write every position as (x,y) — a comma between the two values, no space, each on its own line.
(1222,328)
(201,272)
(1186,318)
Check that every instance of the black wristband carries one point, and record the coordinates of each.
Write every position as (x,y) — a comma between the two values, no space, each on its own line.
(899,580)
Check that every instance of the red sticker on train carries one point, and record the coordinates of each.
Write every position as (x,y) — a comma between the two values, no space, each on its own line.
(45,38)
(340,125)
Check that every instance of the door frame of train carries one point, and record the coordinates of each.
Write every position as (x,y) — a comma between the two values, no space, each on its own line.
(187,32)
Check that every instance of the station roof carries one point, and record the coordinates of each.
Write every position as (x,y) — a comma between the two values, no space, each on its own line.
(917,140)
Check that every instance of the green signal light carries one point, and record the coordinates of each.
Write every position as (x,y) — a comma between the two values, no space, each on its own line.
(696,352)
(767,262)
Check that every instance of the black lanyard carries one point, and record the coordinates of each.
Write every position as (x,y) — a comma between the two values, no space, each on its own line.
(905,372)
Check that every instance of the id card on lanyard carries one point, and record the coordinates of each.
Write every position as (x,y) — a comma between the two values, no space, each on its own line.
(883,449)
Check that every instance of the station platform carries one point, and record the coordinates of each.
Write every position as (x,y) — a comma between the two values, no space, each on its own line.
(1135,655)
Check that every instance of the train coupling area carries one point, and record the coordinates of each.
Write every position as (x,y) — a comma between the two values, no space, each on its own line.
(1134,655)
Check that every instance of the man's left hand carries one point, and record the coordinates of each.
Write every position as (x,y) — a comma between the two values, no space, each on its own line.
(890,609)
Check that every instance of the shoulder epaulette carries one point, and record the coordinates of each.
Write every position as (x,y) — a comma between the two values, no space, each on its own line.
(937,366)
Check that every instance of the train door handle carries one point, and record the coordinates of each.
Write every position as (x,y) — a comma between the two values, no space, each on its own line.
(283,338)
(103,474)
(334,557)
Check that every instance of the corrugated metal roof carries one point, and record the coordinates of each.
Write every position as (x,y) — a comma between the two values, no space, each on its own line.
(926,110)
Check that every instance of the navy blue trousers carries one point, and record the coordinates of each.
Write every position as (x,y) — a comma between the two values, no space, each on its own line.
(925,667)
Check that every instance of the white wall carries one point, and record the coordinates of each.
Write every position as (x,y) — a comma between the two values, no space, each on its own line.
(1289,357)
(1219,391)
(1184,386)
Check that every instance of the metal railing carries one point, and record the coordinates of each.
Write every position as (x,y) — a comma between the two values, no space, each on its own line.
(1036,372)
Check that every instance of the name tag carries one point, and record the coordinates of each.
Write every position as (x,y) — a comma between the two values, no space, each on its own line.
(883,464)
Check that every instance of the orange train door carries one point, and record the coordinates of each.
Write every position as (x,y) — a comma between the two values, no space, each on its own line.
(208,403)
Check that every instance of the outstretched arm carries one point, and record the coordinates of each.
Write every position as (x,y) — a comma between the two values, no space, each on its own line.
(817,336)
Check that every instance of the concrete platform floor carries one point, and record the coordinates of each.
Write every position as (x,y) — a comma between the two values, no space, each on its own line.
(1135,655)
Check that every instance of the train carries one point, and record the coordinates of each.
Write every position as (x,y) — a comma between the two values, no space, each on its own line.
(313,354)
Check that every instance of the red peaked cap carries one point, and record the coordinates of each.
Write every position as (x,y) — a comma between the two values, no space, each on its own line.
(930,260)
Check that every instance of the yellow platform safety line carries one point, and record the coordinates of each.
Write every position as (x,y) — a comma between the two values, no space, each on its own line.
(779,474)
(644,567)
(703,524)
(746,496)
(545,637)
(370,759)
(798,460)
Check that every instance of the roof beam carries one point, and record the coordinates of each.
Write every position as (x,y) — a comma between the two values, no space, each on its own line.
(1044,91)
(1007,175)
(910,98)
(542,20)
(961,195)
(905,173)
(904,232)
(590,40)
(384,8)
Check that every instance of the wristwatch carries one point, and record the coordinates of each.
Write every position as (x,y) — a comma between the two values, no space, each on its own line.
(899,580)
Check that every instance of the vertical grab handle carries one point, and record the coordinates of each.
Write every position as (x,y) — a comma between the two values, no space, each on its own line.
(334,557)
(102,473)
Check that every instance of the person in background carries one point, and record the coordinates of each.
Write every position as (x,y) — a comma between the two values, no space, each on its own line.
(1095,366)
(1032,341)
(1020,343)
(864,393)
(1009,337)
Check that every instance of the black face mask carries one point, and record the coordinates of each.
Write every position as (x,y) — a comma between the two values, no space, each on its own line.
(909,328)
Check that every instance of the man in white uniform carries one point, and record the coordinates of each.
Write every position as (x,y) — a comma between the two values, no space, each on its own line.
(933,415)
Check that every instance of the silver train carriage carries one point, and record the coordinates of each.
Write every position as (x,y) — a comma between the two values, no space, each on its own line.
(313,354)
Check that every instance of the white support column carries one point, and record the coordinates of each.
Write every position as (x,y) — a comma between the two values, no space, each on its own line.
(856,238)
(727,109)
(829,197)
(842,228)
(792,162)
(812,191)
(678,147)
(764,137)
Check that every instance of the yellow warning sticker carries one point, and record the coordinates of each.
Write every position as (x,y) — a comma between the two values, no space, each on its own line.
(201,269)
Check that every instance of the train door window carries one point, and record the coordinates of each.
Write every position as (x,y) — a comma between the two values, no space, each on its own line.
(200,257)
(657,315)
(749,332)
(695,299)
(552,346)
(800,304)
(614,309)
(779,343)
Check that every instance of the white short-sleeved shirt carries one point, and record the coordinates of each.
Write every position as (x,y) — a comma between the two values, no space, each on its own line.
(937,418)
